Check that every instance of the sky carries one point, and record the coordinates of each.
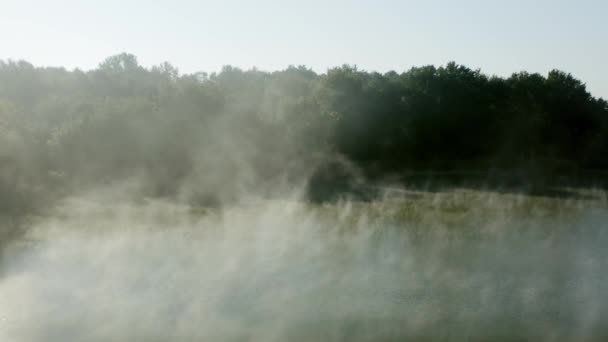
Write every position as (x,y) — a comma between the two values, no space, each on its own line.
(499,37)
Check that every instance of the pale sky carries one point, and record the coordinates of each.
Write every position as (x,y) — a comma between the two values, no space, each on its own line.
(500,37)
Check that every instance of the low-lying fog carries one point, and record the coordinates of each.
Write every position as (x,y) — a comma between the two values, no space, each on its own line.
(450,266)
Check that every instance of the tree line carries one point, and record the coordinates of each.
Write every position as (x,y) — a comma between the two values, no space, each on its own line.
(226,132)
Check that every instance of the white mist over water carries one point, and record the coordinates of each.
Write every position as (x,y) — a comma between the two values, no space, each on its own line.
(441,266)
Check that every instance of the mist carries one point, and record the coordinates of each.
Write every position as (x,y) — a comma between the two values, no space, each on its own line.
(437,203)
(453,265)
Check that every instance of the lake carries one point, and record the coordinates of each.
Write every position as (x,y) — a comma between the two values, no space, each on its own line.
(448,265)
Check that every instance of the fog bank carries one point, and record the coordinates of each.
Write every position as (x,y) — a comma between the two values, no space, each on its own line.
(453,265)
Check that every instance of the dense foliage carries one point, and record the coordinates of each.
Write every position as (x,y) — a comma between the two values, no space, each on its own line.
(233,130)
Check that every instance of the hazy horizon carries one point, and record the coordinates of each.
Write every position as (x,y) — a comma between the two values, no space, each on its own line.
(498,38)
